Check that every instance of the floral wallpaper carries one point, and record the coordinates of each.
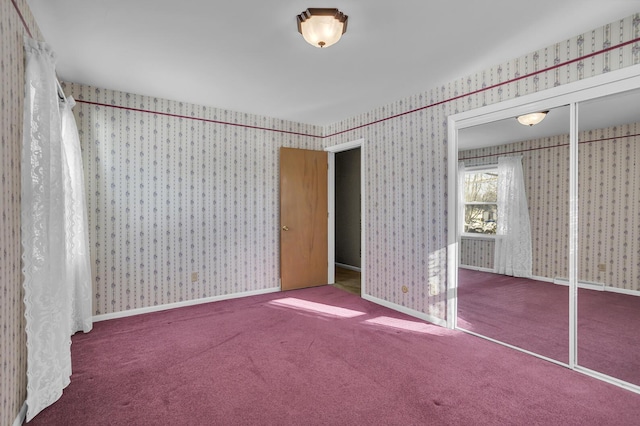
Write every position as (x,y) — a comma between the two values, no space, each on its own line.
(477,253)
(172,192)
(175,191)
(405,195)
(608,205)
(406,159)
(13,351)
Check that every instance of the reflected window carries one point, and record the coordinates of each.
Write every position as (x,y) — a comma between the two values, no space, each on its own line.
(481,201)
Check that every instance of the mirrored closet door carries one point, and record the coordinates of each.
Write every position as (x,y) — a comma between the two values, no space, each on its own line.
(577,302)
(513,209)
(608,266)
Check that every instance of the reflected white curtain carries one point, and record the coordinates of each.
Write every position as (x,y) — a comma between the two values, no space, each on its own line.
(513,237)
(461,200)
(57,281)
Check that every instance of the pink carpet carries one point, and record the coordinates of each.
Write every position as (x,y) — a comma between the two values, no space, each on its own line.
(534,315)
(312,357)
(529,314)
(609,333)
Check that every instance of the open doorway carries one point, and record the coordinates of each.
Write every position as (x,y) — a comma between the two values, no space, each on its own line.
(346,217)
(348,220)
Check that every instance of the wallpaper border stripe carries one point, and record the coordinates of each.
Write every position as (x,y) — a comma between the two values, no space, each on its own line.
(484,89)
(208,120)
(24,22)
(432,105)
(549,147)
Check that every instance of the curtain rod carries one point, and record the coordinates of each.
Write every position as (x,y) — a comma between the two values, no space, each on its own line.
(28,30)
(61,94)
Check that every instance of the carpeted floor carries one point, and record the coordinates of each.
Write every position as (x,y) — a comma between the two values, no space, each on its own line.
(318,356)
(529,314)
(534,315)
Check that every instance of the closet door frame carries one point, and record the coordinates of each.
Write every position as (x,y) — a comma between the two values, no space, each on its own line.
(569,94)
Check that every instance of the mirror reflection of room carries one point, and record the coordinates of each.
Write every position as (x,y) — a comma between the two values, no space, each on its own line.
(513,202)
(608,235)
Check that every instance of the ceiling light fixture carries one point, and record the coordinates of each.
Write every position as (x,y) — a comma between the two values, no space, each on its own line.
(322,27)
(531,119)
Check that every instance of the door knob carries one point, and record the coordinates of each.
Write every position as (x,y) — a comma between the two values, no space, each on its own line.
(285,228)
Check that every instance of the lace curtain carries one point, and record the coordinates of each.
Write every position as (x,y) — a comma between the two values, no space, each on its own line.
(513,237)
(77,232)
(57,278)
(461,199)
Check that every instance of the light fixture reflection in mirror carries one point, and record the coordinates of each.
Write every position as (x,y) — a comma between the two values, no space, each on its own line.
(532,119)
(527,313)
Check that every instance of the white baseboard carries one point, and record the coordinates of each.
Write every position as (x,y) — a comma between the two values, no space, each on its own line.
(480,269)
(405,310)
(622,291)
(544,279)
(345,266)
(589,285)
(477,268)
(149,309)
(21,415)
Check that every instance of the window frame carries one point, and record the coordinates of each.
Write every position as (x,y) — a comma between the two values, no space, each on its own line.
(479,169)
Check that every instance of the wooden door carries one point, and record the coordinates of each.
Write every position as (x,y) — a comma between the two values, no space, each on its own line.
(303,218)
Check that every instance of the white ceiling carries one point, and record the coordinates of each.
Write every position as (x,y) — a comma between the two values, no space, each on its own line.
(246,55)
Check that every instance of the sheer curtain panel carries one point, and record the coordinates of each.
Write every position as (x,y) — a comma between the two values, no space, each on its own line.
(461,198)
(77,227)
(513,237)
(50,285)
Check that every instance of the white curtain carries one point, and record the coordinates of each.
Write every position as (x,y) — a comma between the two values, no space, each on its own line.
(461,200)
(57,281)
(77,226)
(513,237)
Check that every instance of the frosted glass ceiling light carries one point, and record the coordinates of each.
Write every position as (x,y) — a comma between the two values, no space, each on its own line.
(531,119)
(322,27)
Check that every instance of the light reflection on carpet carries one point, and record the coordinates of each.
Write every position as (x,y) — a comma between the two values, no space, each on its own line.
(320,308)
(406,325)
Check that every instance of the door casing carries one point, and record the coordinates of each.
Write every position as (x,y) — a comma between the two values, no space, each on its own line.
(331,186)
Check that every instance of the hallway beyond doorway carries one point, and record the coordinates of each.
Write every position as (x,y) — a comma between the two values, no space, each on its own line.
(347,280)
